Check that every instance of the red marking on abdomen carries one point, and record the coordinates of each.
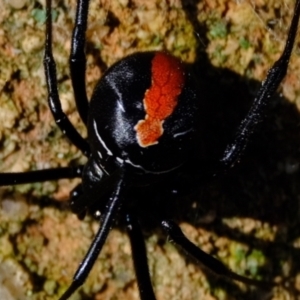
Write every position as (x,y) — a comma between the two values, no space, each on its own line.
(161,98)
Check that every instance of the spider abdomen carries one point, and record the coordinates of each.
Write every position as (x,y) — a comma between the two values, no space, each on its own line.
(143,112)
(161,99)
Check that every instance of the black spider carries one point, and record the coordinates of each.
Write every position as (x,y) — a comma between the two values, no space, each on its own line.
(126,160)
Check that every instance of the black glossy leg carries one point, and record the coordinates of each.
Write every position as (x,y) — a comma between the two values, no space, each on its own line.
(78,60)
(139,256)
(206,260)
(107,221)
(53,98)
(40,175)
(255,115)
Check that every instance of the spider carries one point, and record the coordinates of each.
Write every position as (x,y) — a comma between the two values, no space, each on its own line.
(110,175)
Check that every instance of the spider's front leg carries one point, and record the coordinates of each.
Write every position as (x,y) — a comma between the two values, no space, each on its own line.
(107,221)
(139,256)
(209,262)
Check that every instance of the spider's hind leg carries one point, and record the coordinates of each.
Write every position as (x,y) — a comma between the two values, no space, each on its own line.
(60,117)
(78,60)
(275,75)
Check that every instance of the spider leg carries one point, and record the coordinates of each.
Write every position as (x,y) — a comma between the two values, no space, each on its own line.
(139,257)
(206,260)
(255,115)
(40,175)
(78,59)
(107,221)
(53,98)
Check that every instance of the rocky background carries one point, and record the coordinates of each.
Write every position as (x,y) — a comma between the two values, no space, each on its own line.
(249,219)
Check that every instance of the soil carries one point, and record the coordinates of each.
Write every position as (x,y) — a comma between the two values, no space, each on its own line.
(249,219)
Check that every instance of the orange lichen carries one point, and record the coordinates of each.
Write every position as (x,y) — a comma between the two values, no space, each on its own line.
(161,98)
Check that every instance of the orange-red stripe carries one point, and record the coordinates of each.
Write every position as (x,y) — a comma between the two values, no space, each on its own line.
(161,98)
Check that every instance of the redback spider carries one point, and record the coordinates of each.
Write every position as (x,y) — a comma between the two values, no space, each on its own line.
(128,169)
